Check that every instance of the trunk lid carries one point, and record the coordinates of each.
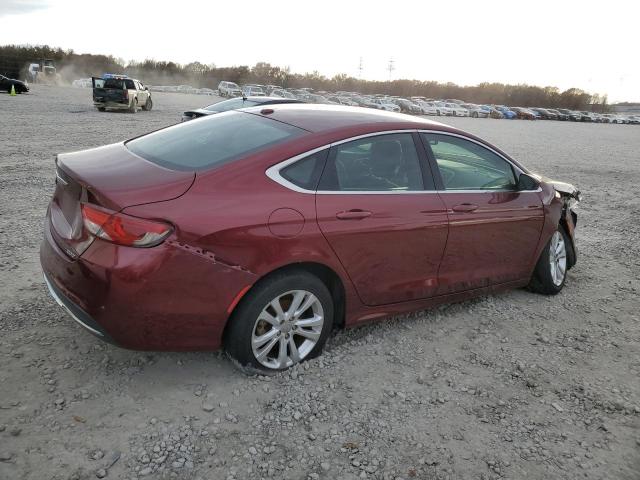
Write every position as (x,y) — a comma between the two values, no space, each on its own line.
(109,90)
(111,177)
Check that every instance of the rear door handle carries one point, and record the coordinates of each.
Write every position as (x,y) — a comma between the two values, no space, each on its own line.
(353,215)
(465,207)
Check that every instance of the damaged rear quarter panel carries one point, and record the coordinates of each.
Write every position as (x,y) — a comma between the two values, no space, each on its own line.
(224,222)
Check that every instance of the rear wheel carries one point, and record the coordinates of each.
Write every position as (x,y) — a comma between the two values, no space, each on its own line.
(551,270)
(101,109)
(283,320)
(474,114)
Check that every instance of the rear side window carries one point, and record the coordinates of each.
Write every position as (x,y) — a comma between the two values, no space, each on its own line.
(129,84)
(305,173)
(380,163)
(211,141)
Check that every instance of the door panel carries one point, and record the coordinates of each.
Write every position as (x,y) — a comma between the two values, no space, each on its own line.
(388,232)
(493,227)
(142,95)
(493,243)
(393,253)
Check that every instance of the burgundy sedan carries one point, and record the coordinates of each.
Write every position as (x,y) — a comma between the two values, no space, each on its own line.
(259,230)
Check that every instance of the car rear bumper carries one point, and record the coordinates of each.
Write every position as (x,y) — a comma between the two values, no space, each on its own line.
(113,105)
(79,315)
(169,297)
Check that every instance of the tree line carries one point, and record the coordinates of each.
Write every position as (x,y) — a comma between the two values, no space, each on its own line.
(72,65)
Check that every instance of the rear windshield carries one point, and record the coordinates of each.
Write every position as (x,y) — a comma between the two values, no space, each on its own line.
(211,141)
(113,83)
(116,83)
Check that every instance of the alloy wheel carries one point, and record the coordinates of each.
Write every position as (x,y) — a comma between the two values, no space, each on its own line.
(557,258)
(287,329)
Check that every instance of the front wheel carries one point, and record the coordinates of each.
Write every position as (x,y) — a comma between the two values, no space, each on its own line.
(550,273)
(475,115)
(284,320)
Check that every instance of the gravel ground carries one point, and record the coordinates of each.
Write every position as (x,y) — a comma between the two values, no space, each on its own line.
(511,386)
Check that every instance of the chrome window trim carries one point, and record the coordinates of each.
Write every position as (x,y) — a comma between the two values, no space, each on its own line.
(273,172)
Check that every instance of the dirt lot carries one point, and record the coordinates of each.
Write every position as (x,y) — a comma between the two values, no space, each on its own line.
(513,386)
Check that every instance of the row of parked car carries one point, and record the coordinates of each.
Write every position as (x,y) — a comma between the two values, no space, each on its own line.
(412,105)
(422,105)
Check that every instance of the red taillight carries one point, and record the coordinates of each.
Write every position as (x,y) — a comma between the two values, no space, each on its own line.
(123,229)
(126,94)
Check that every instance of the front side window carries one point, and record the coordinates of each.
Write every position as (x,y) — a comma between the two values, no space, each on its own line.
(211,141)
(381,163)
(465,165)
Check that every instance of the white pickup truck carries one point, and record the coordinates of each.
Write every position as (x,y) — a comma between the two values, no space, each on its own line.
(120,92)
(229,89)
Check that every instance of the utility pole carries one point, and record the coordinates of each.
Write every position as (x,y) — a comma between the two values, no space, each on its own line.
(360,69)
(391,67)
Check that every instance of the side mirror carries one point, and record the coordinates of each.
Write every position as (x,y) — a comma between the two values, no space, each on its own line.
(527,182)
(146,88)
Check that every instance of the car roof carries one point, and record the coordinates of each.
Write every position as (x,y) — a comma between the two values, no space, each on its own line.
(330,118)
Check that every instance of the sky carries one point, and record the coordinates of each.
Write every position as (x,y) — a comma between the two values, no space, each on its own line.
(592,45)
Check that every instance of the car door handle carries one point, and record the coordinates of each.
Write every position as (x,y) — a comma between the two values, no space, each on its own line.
(353,215)
(465,207)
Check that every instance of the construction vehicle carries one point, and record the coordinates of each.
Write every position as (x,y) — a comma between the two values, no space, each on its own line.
(44,72)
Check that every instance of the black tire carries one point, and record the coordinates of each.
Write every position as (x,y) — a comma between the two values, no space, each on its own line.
(438,112)
(474,114)
(542,279)
(241,325)
(149,105)
(133,108)
(102,109)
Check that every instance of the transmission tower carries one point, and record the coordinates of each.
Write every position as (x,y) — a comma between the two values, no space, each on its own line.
(391,68)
